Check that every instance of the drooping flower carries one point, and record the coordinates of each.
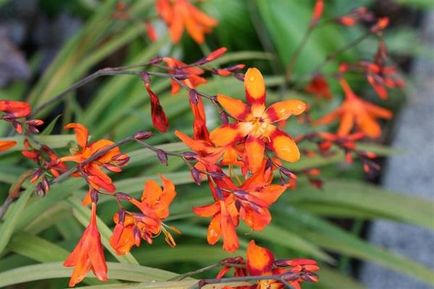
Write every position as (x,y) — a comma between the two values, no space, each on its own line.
(257,124)
(224,220)
(159,118)
(88,254)
(181,14)
(355,112)
(154,205)
(112,160)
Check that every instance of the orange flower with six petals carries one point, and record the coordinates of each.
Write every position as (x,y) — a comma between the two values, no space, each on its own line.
(258,124)
(355,112)
(112,160)
(180,15)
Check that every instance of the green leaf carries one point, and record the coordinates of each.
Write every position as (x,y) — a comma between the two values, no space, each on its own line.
(333,238)
(50,127)
(36,248)
(11,218)
(128,272)
(356,194)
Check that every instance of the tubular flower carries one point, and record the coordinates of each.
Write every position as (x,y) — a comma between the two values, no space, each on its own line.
(249,202)
(257,124)
(317,11)
(88,254)
(190,76)
(356,112)
(113,160)
(5,145)
(181,14)
(224,220)
(159,118)
(261,262)
(131,228)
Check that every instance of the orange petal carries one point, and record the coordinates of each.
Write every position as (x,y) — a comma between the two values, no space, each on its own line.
(284,146)
(230,238)
(283,109)
(207,210)
(81,133)
(255,153)
(256,219)
(368,125)
(176,27)
(214,230)
(224,135)
(255,86)
(233,106)
(347,123)
(151,193)
(259,260)
(5,145)
(377,111)
(270,193)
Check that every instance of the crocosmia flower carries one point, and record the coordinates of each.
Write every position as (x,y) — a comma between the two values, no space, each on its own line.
(112,160)
(154,204)
(355,112)
(258,124)
(180,15)
(88,254)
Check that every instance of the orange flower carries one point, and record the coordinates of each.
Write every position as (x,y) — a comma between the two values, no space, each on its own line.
(112,160)
(208,153)
(88,254)
(223,223)
(354,112)
(14,109)
(7,144)
(154,206)
(257,124)
(191,75)
(249,202)
(181,14)
(261,262)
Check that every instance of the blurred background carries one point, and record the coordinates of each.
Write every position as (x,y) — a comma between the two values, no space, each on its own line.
(369,231)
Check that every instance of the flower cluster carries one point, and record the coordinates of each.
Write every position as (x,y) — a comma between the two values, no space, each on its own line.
(260,262)
(239,159)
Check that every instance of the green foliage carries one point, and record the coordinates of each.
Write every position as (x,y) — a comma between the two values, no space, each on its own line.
(43,230)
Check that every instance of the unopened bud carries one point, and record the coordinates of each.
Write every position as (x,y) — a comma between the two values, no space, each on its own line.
(195,174)
(143,135)
(194,96)
(162,157)
(189,156)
